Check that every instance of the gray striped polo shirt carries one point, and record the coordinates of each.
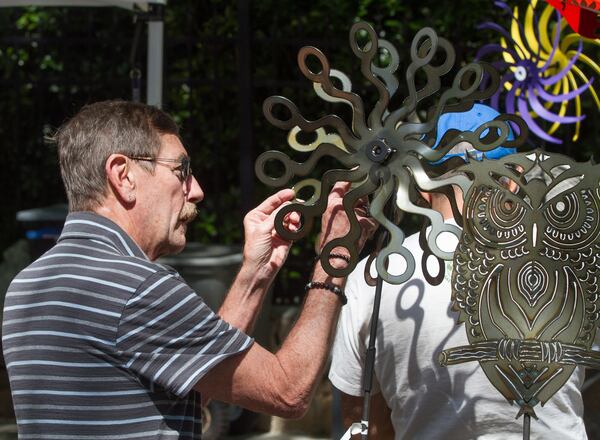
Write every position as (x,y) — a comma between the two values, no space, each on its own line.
(101,343)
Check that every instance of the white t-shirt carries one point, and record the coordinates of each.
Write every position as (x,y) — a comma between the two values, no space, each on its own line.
(428,401)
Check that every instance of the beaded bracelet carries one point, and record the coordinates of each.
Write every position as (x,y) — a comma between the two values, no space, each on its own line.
(327,286)
(346,258)
(333,256)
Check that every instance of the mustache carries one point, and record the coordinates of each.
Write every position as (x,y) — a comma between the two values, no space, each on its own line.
(188,213)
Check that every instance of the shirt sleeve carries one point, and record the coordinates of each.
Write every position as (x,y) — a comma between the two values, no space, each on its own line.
(350,343)
(170,337)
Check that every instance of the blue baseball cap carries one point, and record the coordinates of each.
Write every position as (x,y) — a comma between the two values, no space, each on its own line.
(470,121)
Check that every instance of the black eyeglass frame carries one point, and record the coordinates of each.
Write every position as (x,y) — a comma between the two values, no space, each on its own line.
(184,167)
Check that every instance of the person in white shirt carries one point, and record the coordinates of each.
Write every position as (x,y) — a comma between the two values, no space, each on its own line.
(413,397)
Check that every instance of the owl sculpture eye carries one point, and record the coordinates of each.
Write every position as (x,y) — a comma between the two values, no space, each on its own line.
(497,218)
(571,219)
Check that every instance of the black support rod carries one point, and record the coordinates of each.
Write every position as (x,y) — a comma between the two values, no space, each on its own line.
(370,360)
(526,426)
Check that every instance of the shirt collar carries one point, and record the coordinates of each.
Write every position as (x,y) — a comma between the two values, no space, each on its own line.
(90,225)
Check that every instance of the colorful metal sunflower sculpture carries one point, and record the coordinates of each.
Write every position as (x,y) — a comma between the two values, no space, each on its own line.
(543,70)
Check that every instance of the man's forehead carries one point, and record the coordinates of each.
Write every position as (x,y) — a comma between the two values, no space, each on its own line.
(171,145)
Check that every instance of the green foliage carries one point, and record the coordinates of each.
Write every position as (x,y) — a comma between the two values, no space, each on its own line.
(54,60)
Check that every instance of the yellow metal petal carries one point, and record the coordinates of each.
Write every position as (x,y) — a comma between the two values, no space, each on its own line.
(579,73)
(505,54)
(516,36)
(590,62)
(530,30)
(577,108)
(544,39)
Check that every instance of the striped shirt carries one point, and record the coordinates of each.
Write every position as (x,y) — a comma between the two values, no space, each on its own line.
(101,343)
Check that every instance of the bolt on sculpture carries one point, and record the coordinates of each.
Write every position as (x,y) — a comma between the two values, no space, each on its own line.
(525,277)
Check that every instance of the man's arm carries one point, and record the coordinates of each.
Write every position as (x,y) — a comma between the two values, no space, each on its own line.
(380,421)
(284,383)
(264,254)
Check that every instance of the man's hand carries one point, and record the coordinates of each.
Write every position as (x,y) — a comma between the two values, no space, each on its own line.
(335,222)
(263,247)
(282,383)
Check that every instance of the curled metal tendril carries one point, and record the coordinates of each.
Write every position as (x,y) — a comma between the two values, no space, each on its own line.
(385,152)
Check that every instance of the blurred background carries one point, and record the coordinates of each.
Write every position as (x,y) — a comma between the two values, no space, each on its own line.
(222,58)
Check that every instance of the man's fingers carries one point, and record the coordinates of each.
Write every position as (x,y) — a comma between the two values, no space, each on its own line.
(271,203)
(291,221)
(339,190)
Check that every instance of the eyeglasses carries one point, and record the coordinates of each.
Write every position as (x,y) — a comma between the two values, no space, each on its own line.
(184,169)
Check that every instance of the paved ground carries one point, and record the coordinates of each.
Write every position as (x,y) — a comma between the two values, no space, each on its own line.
(270,436)
(8,431)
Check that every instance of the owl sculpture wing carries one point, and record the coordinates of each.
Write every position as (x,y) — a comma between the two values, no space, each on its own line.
(526,273)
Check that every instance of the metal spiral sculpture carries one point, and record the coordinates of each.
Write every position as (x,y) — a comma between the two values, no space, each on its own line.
(543,70)
(384,151)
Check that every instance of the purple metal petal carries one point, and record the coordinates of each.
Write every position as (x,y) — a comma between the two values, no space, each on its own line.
(496,27)
(508,11)
(542,112)
(494,48)
(560,75)
(555,43)
(500,65)
(542,93)
(533,126)
(509,101)
(495,101)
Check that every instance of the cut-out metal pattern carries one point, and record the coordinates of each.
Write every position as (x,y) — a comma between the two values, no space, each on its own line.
(383,152)
(527,273)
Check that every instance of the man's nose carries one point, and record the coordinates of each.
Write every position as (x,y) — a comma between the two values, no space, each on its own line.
(194,192)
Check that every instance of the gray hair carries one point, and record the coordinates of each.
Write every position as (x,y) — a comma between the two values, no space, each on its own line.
(98,130)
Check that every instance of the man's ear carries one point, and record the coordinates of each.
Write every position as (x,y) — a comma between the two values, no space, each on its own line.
(120,178)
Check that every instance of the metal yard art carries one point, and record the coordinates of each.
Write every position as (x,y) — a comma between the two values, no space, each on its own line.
(384,152)
(527,273)
(543,67)
(525,278)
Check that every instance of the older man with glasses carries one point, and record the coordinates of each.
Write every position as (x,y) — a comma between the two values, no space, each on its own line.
(100,341)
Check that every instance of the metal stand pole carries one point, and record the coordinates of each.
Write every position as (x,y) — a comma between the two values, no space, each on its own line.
(526,426)
(154,73)
(370,360)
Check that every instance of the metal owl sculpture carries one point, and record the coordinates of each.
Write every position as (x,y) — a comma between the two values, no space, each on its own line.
(527,273)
